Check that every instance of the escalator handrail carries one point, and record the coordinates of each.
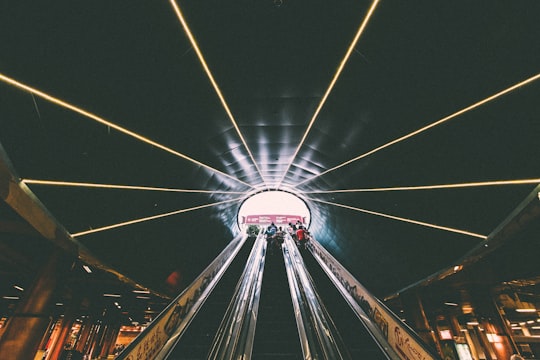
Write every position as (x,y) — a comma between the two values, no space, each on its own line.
(160,337)
(318,334)
(395,338)
(234,338)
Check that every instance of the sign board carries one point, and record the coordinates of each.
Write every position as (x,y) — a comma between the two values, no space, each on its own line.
(272,218)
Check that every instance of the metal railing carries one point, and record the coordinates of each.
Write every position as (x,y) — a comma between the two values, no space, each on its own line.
(234,338)
(395,338)
(319,337)
(160,337)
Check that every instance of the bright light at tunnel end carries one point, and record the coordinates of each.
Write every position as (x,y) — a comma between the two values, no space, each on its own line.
(273,202)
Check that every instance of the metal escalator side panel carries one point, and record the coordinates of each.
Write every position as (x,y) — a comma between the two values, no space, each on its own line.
(319,337)
(296,297)
(160,337)
(395,338)
(248,332)
(334,347)
(234,338)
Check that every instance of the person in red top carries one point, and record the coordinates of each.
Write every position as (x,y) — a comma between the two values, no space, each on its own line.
(301,237)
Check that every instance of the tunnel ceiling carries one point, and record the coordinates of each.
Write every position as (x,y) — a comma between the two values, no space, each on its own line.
(416,63)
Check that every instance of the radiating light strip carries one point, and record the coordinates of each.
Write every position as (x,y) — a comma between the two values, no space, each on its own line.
(330,87)
(436,123)
(431,187)
(154,217)
(213,81)
(101,120)
(421,223)
(124,187)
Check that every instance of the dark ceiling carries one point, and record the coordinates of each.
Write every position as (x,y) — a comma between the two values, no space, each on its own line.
(131,63)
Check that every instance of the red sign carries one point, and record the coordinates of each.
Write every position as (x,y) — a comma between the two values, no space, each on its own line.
(267,219)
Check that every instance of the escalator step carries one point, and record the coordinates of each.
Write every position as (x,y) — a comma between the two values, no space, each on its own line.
(276,336)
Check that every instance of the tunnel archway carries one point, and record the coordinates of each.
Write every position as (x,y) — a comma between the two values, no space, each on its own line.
(274,202)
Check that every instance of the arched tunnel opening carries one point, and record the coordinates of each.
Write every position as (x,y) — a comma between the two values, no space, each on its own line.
(276,206)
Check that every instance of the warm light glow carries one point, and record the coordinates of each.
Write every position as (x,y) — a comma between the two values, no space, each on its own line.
(330,87)
(526,310)
(493,338)
(432,187)
(445,334)
(141,291)
(136,221)
(421,223)
(432,125)
(103,121)
(458,268)
(123,187)
(213,81)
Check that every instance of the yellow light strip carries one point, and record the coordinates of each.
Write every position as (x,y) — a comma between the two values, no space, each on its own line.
(213,81)
(436,123)
(101,120)
(154,217)
(421,223)
(431,187)
(330,87)
(123,187)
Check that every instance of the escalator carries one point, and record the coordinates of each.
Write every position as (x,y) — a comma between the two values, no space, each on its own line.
(285,307)
(197,341)
(355,336)
(276,335)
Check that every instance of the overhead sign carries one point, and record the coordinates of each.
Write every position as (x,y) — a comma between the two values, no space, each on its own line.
(268,219)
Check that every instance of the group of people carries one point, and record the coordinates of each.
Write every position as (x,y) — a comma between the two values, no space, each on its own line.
(275,236)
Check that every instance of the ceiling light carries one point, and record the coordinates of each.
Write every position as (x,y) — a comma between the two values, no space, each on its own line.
(87,269)
(112,295)
(524,306)
(18,287)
